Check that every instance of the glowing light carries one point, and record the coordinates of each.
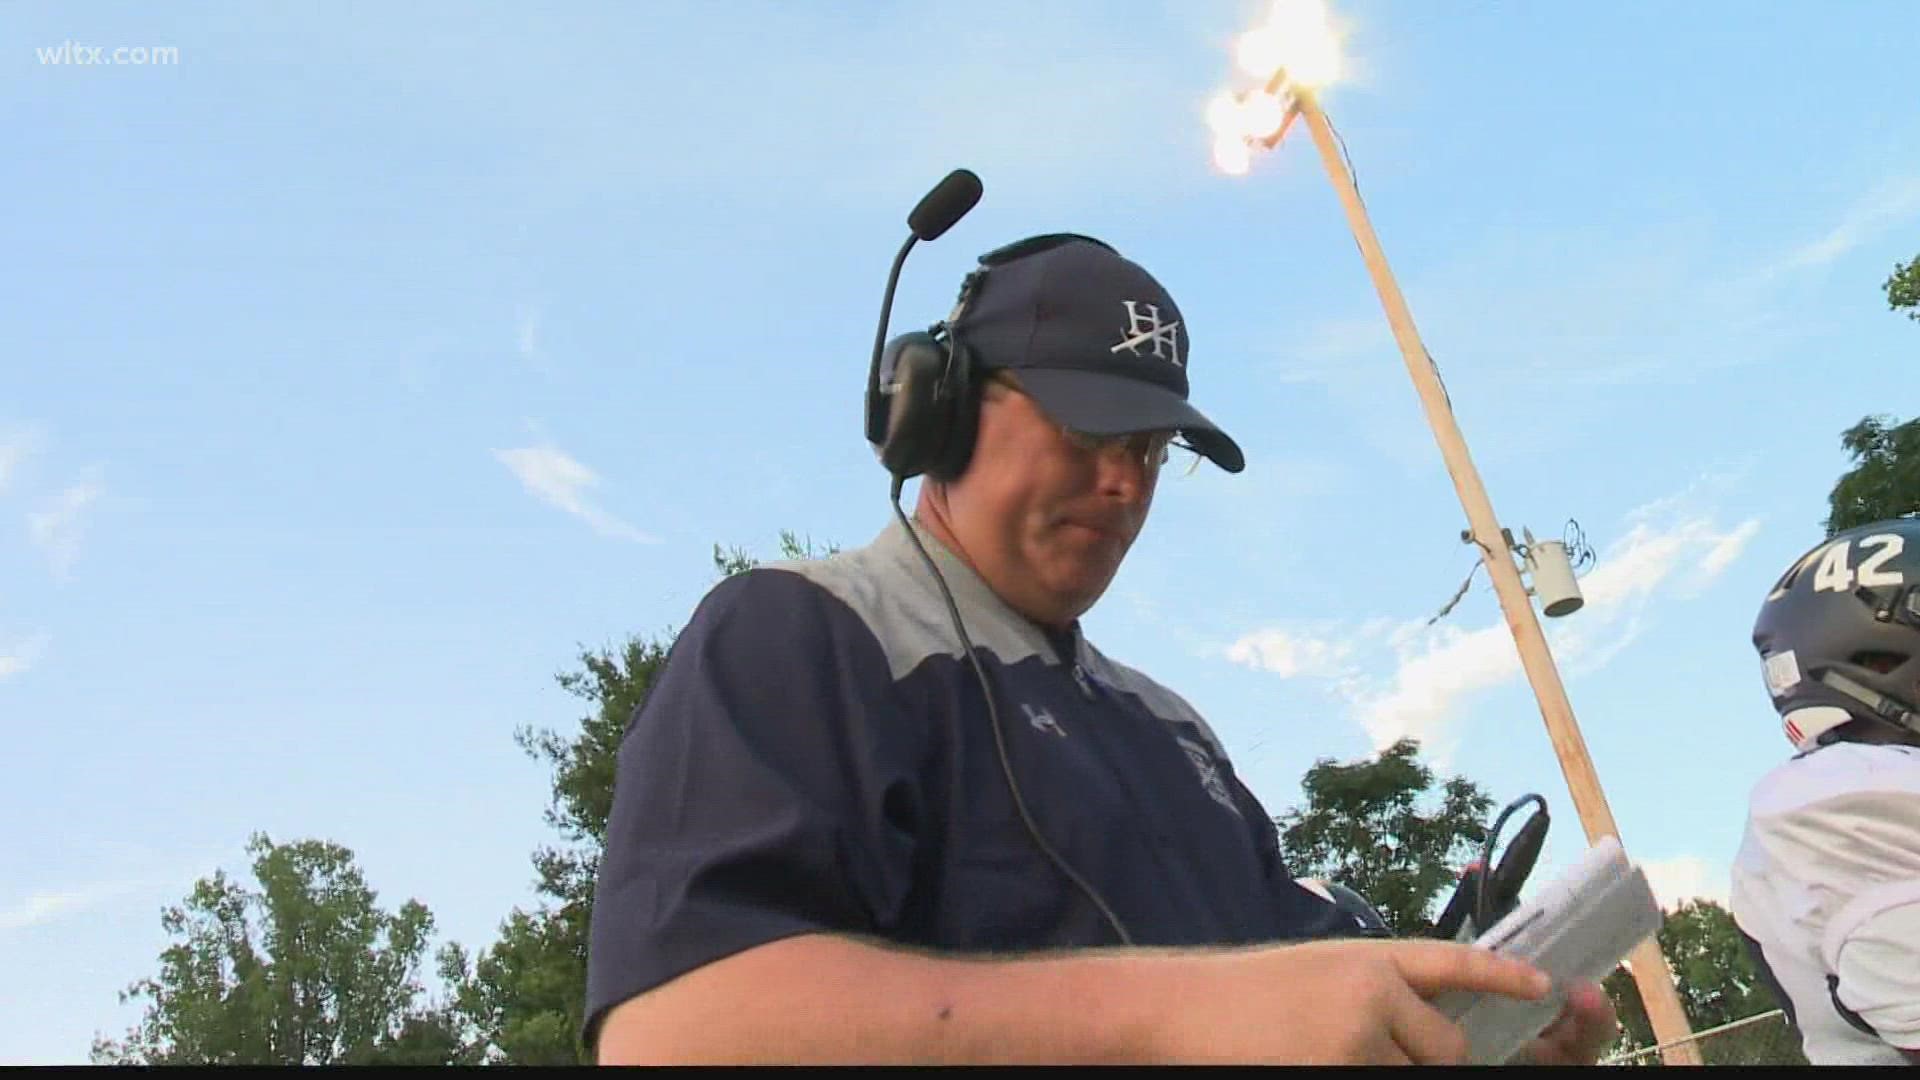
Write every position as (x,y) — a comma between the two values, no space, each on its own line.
(1223,114)
(1260,52)
(1296,49)
(1298,37)
(1232,155)
(1297,16)
(1314,63)
(1261,115)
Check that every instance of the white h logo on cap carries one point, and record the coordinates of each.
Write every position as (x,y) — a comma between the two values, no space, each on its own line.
(1147,328)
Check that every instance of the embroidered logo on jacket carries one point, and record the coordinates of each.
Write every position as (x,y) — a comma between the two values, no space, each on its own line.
(1209,771)
(1042,720)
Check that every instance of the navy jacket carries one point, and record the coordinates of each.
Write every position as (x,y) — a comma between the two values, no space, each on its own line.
(817,756)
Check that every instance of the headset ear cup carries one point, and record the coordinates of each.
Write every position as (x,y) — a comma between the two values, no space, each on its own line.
(913,418)
(961,407)
(879,388)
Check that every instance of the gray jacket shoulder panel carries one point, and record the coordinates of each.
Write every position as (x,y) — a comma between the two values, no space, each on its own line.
(887,585)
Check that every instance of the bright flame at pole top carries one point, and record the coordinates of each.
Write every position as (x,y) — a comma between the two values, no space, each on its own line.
(1297,42)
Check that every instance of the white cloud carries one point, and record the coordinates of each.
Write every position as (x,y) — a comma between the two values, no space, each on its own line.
(1686,877)
(1729,548)
(527,334)
(18,657)
(550,475)
(1639,562)
(57,529)
(1887,206)
(16,445)
(1435,670)
(46,907)
(135,871)
(1289,654)
(1426,674)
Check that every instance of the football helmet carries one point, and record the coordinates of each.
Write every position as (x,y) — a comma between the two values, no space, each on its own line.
(1839,634)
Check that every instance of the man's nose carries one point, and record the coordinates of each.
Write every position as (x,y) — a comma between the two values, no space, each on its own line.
(1123,472)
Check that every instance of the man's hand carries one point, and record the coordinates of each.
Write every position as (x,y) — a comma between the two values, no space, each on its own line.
(827,999)
(1580,1034)
(1338,1002)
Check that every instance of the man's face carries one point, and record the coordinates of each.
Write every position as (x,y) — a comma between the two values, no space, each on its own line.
(1045,518)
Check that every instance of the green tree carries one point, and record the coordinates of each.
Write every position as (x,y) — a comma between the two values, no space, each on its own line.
(1903,288)
(1364,826)
(305,970)
(525,996)
(1885,479)
(1717,983)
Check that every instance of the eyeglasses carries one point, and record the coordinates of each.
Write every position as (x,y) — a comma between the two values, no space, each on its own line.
(1151,448)
(1154,450)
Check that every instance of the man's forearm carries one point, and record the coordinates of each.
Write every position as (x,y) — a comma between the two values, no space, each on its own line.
(831,999)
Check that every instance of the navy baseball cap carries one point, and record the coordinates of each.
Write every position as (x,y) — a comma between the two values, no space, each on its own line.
(1095,339)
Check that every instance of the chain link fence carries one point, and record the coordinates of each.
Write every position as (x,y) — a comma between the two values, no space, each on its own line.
(1762,1039)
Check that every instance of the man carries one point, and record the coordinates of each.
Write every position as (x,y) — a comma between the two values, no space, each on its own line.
(1826,884)
(893,806)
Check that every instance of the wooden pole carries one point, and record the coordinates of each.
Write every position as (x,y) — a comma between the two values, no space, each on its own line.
(1650,971)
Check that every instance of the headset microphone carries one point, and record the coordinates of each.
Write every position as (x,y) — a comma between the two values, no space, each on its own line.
(937,211)
(947,203)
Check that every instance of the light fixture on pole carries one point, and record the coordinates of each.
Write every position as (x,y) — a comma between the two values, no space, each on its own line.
(1291,57)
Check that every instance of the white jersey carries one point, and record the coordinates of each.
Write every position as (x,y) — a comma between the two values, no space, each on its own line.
(1826,885)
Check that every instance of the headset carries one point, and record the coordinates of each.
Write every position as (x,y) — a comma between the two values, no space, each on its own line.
(923,411)
(923,389)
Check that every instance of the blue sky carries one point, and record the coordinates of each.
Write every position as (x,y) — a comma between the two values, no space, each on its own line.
(360,368)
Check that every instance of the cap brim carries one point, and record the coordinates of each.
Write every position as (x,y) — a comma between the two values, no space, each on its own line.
(1102,404)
